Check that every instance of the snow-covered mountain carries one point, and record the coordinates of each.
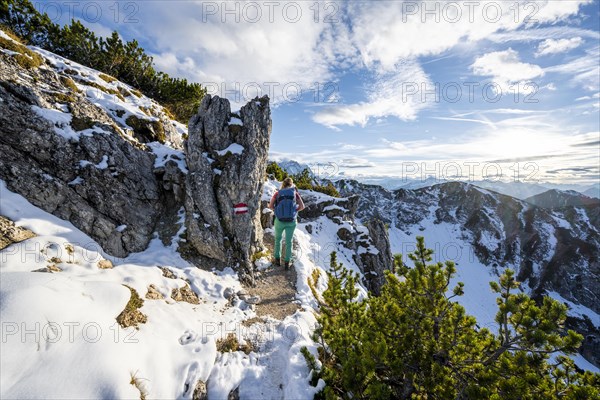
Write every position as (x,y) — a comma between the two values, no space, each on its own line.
(553,251)
(593,191)
(518,189)
(562,198)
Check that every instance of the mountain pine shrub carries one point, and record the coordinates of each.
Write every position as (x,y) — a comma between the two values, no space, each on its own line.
(414,341)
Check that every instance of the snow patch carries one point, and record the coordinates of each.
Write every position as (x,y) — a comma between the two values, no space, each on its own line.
(235,121)
(9,52)
(165,153)
(60,120)
(103,164)
(77,181)
(576,310)
(233,148)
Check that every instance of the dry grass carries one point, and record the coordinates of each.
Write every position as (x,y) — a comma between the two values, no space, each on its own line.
(228,344)
(107,78)
(131,316)
(148,130)
(103,89)
(231,343)
(26,58)
(70,83)
(139,385)
(313,280)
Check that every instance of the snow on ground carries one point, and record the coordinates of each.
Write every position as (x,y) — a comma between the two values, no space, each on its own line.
(577,310)
(5,36)
(118,99)
(60,120)
(60,338)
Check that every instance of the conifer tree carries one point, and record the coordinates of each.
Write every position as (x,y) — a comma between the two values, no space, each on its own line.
(414,341)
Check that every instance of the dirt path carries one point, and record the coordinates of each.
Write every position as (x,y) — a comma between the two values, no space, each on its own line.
(277,290)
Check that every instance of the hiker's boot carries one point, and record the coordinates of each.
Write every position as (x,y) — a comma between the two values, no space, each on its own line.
(287,265)
(276,262)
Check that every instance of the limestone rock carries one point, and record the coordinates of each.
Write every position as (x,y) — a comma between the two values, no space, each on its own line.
(185,293)
(167,273)
(105,264)
(10,233)
(101,181)
(200,391)
(153,293)
(234,394)
(52,268)
(375,263)
(228,293)
(226,165)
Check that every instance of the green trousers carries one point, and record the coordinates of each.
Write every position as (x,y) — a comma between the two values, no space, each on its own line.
(289,228)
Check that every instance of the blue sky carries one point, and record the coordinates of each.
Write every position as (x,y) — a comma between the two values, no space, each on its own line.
(405,88)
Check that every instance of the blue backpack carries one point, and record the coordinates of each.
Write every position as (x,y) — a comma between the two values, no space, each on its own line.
(285,205)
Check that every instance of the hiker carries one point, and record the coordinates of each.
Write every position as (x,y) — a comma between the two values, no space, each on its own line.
(286,203)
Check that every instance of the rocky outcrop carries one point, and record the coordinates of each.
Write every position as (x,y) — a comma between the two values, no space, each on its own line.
(369,242)
(226,163)
(374,254)
(99,179)
(10,233)
(87,162)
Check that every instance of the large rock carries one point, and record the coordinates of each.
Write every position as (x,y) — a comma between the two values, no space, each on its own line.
(375,263)
(101,180)
(10,233)
(226,163)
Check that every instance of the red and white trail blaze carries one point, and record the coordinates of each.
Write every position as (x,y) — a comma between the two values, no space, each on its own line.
(240,208)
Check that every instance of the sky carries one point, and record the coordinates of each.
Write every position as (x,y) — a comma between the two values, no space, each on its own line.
(497,90)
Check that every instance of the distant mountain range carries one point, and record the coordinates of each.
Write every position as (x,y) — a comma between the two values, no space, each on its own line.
(518,189)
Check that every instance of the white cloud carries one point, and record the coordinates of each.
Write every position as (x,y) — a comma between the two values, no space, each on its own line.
(236,55)
(552,46)
(538,142)
(396,94)
(583,71)
(505,68)
(355,163)
(539,34)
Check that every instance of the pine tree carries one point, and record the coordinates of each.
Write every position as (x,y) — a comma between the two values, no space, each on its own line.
(415,342)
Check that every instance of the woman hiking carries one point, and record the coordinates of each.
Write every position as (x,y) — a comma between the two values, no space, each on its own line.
(286,203)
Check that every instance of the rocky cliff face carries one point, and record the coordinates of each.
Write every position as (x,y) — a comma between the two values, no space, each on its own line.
(93,174)
(551,249)
(87,149)
(368,243)
(227,162)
